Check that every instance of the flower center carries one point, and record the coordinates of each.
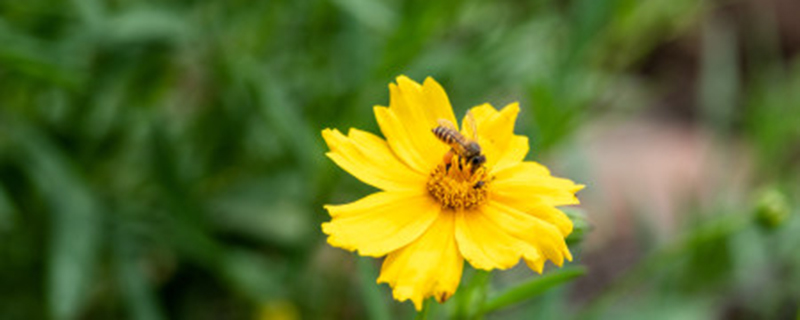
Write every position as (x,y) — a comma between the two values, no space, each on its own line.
(457,186)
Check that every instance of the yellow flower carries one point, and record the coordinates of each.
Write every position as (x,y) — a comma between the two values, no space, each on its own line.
(434,209)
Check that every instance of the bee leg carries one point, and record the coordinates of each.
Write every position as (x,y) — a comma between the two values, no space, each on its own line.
(474,169)
(448,159)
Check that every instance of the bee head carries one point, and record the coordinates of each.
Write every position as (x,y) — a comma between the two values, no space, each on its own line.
(477,161)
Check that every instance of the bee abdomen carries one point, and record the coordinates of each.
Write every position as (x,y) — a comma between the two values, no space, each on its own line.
(445,134)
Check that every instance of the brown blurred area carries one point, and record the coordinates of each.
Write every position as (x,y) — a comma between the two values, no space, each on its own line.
(653,169)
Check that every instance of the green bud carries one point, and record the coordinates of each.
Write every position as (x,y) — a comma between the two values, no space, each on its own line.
(580,226)
(772,209)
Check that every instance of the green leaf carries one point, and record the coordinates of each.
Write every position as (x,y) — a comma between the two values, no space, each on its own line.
(373,14)
(533,288)
(30,58)
(75,217)
(6,210)
(147,24)
(136,287)
(266,209)
(252,274)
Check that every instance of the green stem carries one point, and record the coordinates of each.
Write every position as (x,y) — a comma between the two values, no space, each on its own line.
(426,308)
(471,298)
(533,288)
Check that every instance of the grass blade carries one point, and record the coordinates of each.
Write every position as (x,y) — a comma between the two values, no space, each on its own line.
(75,218)
(533,288)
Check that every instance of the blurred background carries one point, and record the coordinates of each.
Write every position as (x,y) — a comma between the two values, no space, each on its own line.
(163,159)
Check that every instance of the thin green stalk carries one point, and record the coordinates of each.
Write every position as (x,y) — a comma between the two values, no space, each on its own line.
(532,288)
(426,308)
(472,296)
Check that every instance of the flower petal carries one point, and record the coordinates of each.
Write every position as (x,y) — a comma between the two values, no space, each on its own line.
(430,266)
(496,135)
(402,142)
(414,110)
(436,98)
(552,215)
(536,264)
(380,223)
(528,184)
(428,101)
(511,154)
(496,236)
(487,245)
(369,159)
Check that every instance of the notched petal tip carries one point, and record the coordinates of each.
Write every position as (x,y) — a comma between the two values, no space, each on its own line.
(499,236)
(428,267)
(402,76)
(406,83)
(330,136)
(429,79)
(536,265)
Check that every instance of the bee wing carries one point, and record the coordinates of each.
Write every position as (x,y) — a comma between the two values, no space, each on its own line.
(447,124)
(471,126)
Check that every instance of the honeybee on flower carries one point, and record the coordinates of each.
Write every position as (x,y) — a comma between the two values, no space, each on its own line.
(464,148)
(489,207)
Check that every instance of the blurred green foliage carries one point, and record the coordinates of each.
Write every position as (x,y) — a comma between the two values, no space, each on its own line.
(162,159)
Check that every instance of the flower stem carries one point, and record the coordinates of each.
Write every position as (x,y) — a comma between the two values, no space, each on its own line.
(532,288)
(471,299)
(426,308)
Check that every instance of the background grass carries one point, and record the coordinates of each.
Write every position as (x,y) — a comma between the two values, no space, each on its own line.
(163,159)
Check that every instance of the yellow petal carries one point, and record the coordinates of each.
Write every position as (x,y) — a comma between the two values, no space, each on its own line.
(549,214)
(436,99)
(414,110)
(369,159)
(496,236)
(496,135)
(380,223)
(430,266)
(426,103)
(487,245)
(536,264)
(401,142)
(529,184)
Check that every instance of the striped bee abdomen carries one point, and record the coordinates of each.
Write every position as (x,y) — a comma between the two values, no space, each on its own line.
(447,135)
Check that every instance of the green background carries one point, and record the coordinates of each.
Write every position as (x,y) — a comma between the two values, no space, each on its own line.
(163,159)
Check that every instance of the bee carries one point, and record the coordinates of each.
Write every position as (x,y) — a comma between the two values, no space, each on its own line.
(465,148)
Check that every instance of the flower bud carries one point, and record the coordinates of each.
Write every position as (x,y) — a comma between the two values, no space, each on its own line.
(580,226)
(772,209)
